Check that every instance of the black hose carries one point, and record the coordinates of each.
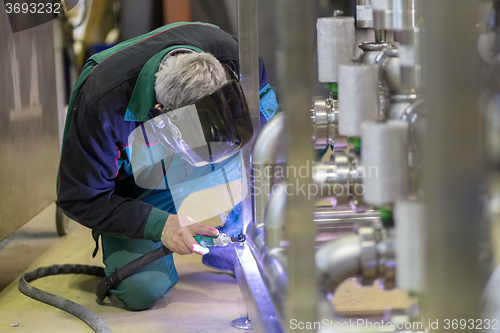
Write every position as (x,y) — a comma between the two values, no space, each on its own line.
(102,289)
(129,269)
(75,309)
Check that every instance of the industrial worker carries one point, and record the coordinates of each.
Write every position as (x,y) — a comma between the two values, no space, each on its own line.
(124,89)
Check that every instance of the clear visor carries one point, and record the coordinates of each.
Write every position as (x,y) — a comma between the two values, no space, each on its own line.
(209,131)
(180,151)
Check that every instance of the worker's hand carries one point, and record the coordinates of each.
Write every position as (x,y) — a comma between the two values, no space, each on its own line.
(178,233)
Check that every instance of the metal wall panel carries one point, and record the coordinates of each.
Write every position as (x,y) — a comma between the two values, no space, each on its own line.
(29,148)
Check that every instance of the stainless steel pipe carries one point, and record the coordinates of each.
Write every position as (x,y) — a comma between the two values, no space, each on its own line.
(268,150)
(328,222)
(339,260)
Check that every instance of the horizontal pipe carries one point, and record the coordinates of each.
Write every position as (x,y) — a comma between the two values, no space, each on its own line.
(325,214)
(329,223)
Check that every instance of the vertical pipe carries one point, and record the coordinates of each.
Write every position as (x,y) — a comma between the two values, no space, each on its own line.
(296,38)
(248,44)
(452,165)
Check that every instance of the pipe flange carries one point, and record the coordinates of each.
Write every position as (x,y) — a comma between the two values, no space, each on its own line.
(324,117)
(342,178)
(334,178)
(319,118)
(386,259)
(370,46)
(368,242)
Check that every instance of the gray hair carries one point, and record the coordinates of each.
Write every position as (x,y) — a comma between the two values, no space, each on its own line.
(184,78)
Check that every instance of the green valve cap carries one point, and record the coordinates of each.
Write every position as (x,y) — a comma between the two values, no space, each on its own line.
(356,143)
(386,216)
(333,87)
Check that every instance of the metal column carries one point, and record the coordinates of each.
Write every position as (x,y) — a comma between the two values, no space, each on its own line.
(296,38)
(453,171)
(248,44)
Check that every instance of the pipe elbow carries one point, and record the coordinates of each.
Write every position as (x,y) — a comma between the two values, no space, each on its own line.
(339,260)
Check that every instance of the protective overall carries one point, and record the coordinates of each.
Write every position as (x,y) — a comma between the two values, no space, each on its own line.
(96,184)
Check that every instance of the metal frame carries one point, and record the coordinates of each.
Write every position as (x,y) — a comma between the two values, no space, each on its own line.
(249,76)
(453,169)
(296,33)
(258,302)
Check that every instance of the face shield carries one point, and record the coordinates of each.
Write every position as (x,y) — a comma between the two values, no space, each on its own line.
(192,154)
(210,130)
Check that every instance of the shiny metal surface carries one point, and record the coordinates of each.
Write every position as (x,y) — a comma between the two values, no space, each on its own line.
(410,59)
(397,108)
(248,45)
(329,223)
(273,262)
(334,224)
(258,302)
(268,151)
(406,14)
(29,153)
(339,260)
(399,15)
(390,70)
(242,323)
(256,239)
(383,36)
(326,214)
(324,117)
(341,178)
(386,258)
(370,52)
(324,120)
(365,7)
(275,217)
(368,256)
(273,267)
(452,183)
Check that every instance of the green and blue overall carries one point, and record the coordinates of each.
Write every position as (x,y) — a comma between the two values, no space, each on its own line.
(96,187)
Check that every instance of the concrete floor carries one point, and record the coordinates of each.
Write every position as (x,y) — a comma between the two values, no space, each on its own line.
(204,300)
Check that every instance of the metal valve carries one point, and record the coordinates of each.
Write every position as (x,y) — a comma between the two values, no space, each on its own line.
(324,117)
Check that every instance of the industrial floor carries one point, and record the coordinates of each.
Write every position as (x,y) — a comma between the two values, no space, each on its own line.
(204,300)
